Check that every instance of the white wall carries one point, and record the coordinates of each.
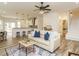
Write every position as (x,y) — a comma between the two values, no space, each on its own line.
(40,22)
(74,26)
(73,29)
(23,23)
(51,19)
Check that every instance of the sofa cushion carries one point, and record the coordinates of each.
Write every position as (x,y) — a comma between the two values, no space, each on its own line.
(40,40)
(46,36)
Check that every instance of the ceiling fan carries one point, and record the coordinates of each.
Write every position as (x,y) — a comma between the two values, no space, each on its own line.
(42,8)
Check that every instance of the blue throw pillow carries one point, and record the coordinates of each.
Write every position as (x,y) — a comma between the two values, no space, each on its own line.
(37,34)
(46,36)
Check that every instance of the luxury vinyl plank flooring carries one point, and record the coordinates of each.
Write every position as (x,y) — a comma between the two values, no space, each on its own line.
(69,46)
(9,42)
(63,50)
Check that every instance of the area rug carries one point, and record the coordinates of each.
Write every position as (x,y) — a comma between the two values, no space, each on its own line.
(15,51)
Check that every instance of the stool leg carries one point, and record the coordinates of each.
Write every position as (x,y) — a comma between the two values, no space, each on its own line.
(19,46)
(33,48)
(26,51)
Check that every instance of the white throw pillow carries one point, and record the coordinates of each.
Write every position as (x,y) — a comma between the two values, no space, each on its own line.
(53,35)
(32,33)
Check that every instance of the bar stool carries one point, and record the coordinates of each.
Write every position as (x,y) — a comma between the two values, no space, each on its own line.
(17,34)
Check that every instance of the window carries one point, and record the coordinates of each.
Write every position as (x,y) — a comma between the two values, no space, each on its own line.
(18,24)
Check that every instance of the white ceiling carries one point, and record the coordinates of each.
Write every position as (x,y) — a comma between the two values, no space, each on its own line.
(26,8)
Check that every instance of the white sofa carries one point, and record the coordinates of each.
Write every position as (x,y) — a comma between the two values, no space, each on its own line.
(51,45)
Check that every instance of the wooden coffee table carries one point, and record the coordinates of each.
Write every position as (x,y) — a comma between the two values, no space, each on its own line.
(26,44)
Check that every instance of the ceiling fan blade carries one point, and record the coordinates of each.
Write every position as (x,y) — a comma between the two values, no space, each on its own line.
(37,6)
(43,8)
(48,9)
(46,6)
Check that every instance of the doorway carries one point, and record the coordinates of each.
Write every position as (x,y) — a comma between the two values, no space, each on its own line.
(8,26)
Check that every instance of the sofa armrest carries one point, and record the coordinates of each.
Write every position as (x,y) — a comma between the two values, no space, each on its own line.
(55,42)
